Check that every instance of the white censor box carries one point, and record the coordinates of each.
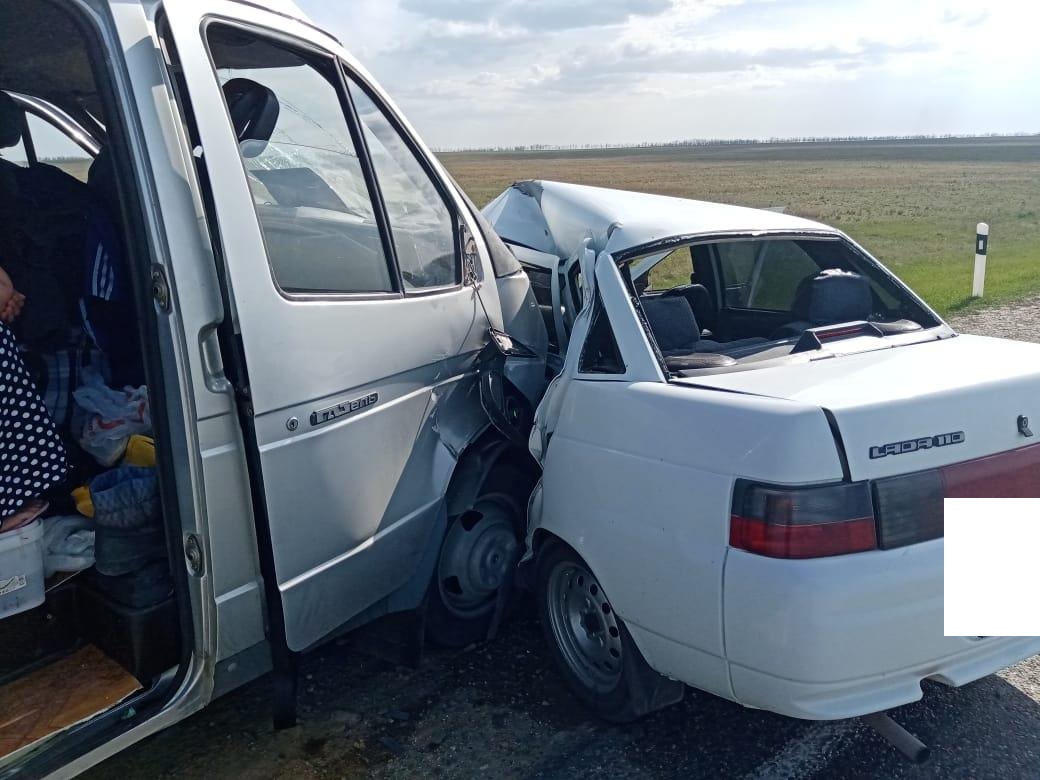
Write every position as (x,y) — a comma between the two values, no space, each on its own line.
(981,245)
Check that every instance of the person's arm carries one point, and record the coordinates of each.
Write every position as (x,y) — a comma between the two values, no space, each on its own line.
(11,301)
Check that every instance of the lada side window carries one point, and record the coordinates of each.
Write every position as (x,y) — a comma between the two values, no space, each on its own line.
(600,354)
(764,274)
(306,176)
(675,269)
(736,263)
(784,267)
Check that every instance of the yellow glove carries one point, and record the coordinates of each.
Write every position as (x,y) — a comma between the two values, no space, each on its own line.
(140,451)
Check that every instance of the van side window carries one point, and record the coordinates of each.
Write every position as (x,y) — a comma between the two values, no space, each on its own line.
(54,147)
(423,227)
(306,177)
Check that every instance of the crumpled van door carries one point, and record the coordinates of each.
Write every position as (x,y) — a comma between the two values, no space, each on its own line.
(358,338)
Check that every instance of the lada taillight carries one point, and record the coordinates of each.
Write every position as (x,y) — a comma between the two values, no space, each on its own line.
(909,507)
(802,522)
(848,517)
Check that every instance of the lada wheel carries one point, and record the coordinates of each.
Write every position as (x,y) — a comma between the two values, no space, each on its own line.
(589,641)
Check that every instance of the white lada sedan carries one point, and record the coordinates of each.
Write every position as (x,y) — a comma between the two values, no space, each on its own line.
(745,455)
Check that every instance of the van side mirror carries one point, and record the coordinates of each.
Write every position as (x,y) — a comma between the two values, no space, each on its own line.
(470,257)
(510,410)
(509,346)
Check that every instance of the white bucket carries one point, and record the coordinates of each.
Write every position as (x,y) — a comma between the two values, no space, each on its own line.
(21,569)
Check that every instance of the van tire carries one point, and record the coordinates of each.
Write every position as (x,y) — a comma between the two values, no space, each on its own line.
(478,556)
(591,644)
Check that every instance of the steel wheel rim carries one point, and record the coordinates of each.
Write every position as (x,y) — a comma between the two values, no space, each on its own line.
(585,627)
(480,549)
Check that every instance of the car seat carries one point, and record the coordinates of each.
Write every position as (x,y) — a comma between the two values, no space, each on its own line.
(107,307)
(830,297)
(677,331)
(700,301)
(673,323)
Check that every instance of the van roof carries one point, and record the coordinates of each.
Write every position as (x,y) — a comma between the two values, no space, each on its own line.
(282,8)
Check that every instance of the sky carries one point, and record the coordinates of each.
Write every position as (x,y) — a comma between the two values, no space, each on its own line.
(476,73)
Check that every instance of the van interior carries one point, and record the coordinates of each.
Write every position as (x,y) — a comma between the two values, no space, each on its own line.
(90,628)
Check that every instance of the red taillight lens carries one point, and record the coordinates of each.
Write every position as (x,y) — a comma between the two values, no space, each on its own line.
(802,522)
(909,507)
(1012,474)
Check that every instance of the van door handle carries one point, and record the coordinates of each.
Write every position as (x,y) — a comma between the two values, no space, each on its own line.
(212,364)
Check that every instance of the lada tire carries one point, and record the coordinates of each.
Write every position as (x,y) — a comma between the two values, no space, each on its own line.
(591,645)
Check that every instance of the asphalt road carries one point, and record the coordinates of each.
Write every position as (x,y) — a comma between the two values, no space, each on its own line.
(501,710)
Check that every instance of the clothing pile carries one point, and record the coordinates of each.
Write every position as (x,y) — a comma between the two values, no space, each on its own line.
(93,436)
(113,427)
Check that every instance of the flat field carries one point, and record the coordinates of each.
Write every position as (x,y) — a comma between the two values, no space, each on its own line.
(913,204)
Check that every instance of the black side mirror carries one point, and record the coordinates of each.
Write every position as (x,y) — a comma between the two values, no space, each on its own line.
(509,410)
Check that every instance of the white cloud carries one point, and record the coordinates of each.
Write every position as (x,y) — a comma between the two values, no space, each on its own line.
(592,71)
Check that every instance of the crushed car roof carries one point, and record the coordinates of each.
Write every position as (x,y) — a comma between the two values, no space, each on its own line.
(556,218)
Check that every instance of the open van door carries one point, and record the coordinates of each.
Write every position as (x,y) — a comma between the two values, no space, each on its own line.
(355,334)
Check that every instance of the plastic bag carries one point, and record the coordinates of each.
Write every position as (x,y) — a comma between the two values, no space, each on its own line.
(68,544)
(113,416)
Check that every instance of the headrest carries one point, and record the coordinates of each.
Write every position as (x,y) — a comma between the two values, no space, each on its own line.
(700,301)
(10,121)
(672,321)
(839,296)
(700,297)
(254,112)
(703,304)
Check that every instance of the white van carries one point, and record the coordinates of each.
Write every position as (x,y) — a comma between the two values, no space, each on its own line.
(215,201)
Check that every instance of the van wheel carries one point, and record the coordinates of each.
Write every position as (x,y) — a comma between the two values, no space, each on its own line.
(590,643)
(479,554)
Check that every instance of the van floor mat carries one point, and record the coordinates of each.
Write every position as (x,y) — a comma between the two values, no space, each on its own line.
(60,695)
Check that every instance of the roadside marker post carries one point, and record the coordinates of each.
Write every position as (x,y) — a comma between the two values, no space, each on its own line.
(981,245)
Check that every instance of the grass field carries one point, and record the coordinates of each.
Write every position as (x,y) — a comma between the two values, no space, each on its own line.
(913,204)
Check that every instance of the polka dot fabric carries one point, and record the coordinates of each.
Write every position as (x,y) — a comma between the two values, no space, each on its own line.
(32,456)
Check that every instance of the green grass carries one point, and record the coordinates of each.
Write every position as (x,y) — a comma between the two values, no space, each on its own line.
(913,205)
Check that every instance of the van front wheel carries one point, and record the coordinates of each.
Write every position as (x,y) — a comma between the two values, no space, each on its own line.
(479,554)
